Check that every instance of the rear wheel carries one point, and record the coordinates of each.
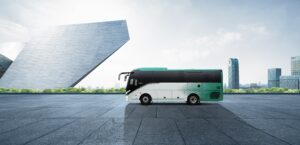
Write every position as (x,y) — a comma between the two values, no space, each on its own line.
(193,99)
(145,99)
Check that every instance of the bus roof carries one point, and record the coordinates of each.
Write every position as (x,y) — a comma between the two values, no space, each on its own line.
(166,69)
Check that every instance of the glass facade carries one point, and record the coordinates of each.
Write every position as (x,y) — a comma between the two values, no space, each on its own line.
(291,82)
(274,77)
(60,57)
(4,64)
(295,65)
(233,74)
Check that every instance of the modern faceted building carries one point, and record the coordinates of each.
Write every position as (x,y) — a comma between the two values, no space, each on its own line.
(274,77)
(233,74)
(291,82)
(60,57)
(4,64)
(295,65)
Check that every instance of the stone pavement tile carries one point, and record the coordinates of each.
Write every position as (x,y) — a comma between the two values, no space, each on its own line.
(171,112)
(292,123)
(143,112)
(195,112)
(243,133)
(92,112)
(62,112)
(274,128)
(33,131)
(115,131)
(200,131)
(72,133)
(17,112)
(119,112)
(12,124)
(242,111)
(158,131)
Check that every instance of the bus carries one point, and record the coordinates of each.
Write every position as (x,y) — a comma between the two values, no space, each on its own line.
(147,85)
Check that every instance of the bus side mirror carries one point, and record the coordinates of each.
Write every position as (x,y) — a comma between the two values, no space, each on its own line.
(125,78)
(122,74)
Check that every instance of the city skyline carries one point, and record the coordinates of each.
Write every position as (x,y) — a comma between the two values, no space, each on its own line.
(173,34)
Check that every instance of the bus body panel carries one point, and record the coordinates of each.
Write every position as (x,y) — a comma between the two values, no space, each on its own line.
(205,90)
(177,91)
(163,84)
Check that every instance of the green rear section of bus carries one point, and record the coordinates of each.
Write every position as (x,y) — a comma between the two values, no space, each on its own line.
(206,91)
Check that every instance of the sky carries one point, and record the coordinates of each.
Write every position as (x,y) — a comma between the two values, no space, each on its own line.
(170,33)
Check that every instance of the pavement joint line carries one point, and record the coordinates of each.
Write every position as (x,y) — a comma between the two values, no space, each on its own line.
(20,126)
(45,118)
(267,114)
(277,111)
(286,125)
(219,129)
(100,115)
(29,109)
(265,132)
(181,110)
(180,133)
(289,126)
(77,112)
(58,128)
(156,110)
(137,131)
(130,112)
(92,132)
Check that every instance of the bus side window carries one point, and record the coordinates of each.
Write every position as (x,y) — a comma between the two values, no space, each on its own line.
(131,82)
(135,82)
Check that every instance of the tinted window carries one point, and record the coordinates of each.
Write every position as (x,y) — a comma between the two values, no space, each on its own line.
(177,76)
(213,76)
(168,76)
(143,77)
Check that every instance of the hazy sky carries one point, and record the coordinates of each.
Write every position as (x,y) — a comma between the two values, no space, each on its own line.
(172,33)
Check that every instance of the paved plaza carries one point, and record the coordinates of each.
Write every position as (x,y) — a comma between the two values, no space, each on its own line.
(109,120)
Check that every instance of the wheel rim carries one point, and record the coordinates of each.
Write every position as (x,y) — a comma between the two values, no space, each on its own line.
(145,99)
(193,99)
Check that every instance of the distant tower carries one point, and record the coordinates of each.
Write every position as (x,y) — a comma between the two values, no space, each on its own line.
(233,74)
(274,77)
(295,65)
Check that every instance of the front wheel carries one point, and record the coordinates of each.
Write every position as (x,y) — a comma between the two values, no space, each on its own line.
(145,99)
(193,99)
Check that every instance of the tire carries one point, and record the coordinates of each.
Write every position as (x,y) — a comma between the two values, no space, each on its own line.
(193,99)
(145,99)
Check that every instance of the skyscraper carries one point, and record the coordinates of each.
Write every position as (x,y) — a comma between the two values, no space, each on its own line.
(274,77)
(233,74)
(295,65)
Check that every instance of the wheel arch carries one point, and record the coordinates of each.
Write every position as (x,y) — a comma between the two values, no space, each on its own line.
(145,94)
(193,93)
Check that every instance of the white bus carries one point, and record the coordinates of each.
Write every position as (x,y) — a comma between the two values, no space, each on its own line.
(146,85)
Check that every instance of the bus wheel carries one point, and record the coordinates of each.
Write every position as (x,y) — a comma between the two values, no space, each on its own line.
(145,99)
(193,99)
